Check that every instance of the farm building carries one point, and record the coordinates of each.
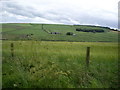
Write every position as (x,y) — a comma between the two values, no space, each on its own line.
(55,33)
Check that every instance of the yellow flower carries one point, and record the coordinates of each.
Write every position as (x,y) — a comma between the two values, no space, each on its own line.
(15,85)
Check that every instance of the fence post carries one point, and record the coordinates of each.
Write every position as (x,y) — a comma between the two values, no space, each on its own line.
(42,26)
(88,56)
(12,50)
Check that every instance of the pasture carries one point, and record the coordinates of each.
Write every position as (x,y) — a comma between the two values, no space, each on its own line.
(41,32)
(43,64)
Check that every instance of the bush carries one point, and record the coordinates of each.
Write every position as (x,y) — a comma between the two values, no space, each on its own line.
(69,33)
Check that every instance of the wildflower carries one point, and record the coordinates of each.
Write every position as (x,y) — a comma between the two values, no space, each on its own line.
(53,62)
(15,85)
(68,72)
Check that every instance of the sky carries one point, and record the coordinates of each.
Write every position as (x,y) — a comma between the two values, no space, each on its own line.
(83,12)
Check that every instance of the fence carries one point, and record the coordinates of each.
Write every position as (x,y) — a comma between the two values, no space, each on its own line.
(87,54)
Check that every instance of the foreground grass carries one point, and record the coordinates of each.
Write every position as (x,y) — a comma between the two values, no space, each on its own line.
(40,64)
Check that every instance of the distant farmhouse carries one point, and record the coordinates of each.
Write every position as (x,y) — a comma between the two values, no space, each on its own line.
(55,33)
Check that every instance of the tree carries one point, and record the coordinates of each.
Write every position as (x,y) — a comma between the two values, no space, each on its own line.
(69,33)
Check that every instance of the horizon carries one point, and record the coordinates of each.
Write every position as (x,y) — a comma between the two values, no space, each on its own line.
(57,24)
(66,12)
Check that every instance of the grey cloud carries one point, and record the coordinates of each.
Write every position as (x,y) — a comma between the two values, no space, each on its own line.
(16,9)
(103,22)
(30,12)
(57,15)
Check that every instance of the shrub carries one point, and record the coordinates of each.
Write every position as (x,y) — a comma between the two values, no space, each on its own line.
(69,33)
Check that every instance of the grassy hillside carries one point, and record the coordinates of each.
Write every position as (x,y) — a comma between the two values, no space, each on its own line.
(19,31)
(42,64)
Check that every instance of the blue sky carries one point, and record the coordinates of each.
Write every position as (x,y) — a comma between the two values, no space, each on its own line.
(87,12)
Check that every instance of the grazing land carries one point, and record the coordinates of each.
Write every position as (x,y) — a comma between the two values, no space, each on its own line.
(53,56)
(56,32)
(43,64)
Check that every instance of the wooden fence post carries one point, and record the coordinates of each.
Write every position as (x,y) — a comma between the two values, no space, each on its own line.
(42,26)
(88,56)
(12,50)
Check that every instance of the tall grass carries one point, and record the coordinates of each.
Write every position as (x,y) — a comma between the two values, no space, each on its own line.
(40,64)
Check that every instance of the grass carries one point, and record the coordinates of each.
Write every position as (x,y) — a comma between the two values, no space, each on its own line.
(43,64)
(15,31)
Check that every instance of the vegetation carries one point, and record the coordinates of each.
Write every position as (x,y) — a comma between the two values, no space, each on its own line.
(90,30)
(56,32)
(69,33)
(36,63)
(41,64)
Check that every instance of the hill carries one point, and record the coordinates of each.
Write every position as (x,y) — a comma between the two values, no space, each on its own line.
(57,32)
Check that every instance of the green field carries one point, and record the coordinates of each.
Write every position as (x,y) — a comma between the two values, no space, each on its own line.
(43,64)
(18,31)
(39,62)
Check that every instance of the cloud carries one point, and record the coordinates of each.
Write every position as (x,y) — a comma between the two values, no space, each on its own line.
(17,9)
(93,12)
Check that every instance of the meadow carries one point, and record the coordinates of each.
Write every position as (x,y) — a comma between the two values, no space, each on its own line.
(19,31)
(47,64)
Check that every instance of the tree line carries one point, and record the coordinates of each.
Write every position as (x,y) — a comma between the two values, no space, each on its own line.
(90,30)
